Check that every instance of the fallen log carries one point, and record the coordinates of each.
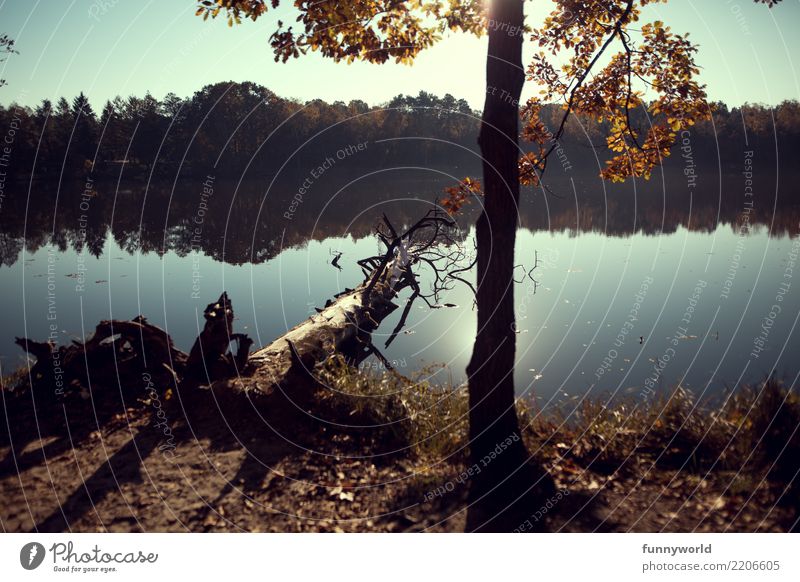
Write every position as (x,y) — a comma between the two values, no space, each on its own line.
(345,324)
(121,351)
(342,327)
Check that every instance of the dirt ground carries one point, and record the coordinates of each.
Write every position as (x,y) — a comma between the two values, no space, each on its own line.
(174,467)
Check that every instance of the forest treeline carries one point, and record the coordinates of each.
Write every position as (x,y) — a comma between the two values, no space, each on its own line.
(162,216)
(236,128)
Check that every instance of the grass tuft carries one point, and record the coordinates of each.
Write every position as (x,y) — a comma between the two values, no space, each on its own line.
(753,431)
(429,420)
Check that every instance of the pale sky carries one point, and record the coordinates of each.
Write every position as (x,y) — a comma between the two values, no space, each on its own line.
(122,47)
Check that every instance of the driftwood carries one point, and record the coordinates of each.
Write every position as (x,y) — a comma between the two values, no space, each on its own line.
(120,352)
(344,325)
(136,354)
(210,358)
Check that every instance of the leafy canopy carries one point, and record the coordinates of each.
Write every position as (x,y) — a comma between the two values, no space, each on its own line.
(6,48)
(367,30)
(650,60)
(595,57)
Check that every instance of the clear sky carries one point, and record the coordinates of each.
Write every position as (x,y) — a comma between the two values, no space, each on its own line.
(110,47)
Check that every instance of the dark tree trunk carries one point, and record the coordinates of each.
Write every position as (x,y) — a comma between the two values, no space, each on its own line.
(509,487)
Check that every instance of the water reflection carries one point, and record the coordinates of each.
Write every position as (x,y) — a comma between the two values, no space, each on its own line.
(252,222)
(616,308)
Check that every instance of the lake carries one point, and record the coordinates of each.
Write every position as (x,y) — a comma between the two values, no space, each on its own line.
(638,287)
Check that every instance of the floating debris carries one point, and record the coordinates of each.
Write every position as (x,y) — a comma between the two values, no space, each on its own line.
(335,261)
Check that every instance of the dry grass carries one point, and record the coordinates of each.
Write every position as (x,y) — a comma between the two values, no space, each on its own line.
(429,420)
(15,381)
(751,431)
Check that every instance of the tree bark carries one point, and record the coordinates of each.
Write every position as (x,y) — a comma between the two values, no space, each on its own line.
(509,487)
(343,327)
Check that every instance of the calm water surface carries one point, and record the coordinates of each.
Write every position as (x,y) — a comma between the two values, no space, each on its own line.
(636,291)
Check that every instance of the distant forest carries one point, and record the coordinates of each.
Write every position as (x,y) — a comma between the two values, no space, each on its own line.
(237,129)
(417,146)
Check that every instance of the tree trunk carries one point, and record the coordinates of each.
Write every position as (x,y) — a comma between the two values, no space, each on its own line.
(343,327)
(509,487)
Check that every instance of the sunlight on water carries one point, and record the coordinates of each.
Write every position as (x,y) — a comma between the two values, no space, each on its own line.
(608,314)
